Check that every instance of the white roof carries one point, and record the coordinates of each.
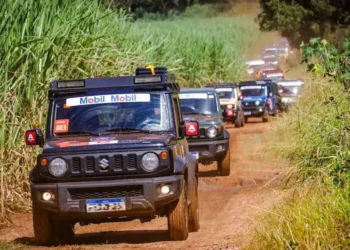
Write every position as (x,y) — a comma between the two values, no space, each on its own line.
(290,82)
(255,62)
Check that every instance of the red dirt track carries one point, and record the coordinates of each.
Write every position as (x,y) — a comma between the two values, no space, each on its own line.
(229,205)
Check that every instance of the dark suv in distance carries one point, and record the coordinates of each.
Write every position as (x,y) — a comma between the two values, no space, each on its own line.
(115,150)
(212,141)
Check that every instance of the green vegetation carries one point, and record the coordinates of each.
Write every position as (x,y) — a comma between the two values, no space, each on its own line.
(300,20)
(45,40)
(315,135)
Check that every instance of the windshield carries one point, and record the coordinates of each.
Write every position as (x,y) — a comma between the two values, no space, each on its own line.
(253,91)
(289,90)
(112,113)
(225,93)
(198,103)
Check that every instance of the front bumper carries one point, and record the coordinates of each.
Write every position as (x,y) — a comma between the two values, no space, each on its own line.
(254,112)
(209,150)
(70,198)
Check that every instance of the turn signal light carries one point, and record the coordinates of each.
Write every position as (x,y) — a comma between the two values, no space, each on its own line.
(164,155)
(43,162)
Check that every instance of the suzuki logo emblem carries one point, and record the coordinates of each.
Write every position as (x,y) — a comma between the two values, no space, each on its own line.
(104,163)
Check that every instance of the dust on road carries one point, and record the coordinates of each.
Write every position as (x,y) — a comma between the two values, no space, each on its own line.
(228,205)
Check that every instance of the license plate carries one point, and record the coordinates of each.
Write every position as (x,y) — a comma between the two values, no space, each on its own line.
(105,205)
(196,154)
(247,113)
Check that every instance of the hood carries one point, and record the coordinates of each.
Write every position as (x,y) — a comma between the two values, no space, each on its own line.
(116,141)
(203,119)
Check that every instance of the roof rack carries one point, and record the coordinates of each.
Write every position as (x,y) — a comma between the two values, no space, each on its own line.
(148,78)
(222,85)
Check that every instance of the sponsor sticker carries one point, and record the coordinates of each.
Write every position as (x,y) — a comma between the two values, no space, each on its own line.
(224,90)
(193,96)
(61,126)
(31,137)
(101,99)
(251,87)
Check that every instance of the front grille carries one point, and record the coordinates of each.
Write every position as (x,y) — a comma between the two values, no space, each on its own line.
(118,162)
(76,164)
(249,104)
(90,164)
(202,132)
(132,161)
(196,148)
(105,192)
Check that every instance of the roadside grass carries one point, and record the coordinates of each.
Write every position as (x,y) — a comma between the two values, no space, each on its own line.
(315,136)
(45,40)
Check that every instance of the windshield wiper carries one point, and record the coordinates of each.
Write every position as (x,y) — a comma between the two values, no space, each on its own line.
(77,132)
(131,130)
(194,113)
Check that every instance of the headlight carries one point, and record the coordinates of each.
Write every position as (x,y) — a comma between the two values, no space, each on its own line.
(212,132)
(257,103)
(149,162)
(229,106)
(58,167)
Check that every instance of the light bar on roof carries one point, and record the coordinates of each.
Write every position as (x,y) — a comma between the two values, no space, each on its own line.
(71,84)
(148,79)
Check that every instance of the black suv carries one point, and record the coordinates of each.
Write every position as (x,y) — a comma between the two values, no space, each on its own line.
(213,140)
(115,150)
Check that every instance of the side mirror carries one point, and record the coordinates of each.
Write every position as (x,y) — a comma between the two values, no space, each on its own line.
(190,128)
(34,137)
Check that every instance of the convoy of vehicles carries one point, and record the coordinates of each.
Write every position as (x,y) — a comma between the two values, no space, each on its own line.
(125,148)
(212,141)
(230,102)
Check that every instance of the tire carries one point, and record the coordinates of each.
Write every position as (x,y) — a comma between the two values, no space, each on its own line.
(178,217)
(193,210)
(64,232)
(242,121)
(246,119)
(224,166)
(43,227)
(237,122)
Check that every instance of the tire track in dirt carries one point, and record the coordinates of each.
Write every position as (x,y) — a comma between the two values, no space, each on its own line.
(228,205)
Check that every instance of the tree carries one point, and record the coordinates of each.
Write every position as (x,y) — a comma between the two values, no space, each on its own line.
(300,20)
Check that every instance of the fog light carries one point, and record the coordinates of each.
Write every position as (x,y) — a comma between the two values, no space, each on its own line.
(165,189)
(47,196)
(260,110)
(220,148)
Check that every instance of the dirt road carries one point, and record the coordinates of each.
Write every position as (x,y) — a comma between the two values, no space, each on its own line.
(228,205)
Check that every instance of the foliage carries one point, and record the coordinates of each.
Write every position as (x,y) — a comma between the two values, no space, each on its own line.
(45,40)
(300,20)
(314,217)
(324,59)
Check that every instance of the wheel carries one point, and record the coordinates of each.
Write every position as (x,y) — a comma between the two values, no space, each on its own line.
(246,119)
(237,122)
(265,116)
(193,210)
(224,166)
(43,226)
(178,217)
(242,121)
(64,232)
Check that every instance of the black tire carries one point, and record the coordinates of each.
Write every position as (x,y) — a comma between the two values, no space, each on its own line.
(245,119)
(242,121)
(43,227)
(64,232)
(224,165)
(193,210)
(238,122)
(178,217)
